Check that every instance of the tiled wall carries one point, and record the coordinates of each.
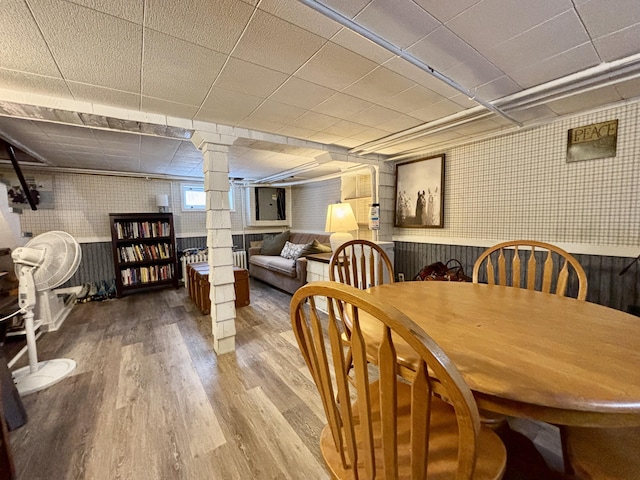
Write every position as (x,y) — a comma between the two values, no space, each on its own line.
(309,204)
(520,186)
(83,203)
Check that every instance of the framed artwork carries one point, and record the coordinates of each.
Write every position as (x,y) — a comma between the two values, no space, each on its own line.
(40,188)
(420,193)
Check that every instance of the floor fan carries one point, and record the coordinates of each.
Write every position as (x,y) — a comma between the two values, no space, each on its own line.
(44,263)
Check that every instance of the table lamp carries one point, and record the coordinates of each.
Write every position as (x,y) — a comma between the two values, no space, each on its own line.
(162,202)
(340,221)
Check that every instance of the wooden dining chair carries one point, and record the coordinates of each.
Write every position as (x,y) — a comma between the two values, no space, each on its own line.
(381,426)
(508,264)
(361,264)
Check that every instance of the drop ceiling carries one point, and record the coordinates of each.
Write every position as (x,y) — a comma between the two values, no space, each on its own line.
(282,68)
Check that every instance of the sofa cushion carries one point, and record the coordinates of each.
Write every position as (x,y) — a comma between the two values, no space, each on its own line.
(277,263)
(273,245)
(315,247)
(292,250)
(301,237)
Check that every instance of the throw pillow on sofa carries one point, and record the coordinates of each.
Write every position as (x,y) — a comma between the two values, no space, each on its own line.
(292,250)
(315,247)
(273,245)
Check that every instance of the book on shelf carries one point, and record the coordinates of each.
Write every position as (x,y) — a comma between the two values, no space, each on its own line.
(142,275)
(134,230)
(143,253)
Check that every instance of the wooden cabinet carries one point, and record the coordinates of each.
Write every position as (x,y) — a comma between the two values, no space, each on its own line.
(144,251)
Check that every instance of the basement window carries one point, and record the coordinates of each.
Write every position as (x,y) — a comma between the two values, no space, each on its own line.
(194,198)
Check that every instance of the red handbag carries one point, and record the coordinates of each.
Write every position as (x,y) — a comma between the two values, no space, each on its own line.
(452,271)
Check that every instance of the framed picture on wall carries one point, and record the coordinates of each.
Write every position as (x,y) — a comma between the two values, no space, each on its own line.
(420,193)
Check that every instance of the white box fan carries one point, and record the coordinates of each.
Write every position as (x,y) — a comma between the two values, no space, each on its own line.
(44,263)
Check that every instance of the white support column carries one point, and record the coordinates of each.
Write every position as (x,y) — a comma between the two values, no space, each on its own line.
(219,242)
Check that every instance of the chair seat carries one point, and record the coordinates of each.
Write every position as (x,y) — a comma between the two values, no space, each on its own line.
(604,453)
(491,458)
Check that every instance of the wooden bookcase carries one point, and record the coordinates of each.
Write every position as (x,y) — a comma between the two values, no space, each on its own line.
(144,251)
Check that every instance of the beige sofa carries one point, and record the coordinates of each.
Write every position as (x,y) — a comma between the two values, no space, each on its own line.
(283,273)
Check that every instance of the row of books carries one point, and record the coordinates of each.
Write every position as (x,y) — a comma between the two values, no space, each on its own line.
(142,275)
(129,230)
(142,253)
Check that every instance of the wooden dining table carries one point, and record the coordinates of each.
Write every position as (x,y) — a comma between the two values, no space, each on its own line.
(530,354)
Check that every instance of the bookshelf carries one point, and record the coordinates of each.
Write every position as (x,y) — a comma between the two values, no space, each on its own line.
(144,251)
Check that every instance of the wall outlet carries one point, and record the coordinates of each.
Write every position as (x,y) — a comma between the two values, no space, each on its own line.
(401,277)
(27,234)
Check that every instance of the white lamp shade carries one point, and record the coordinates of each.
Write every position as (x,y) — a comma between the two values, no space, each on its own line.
(162,200)
(340,220)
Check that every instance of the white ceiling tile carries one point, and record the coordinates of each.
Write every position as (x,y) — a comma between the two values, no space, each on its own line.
(361,45)
(107,96)
(316,121)
(437,110)
(278,112)
(348,8)
(380,83)
(170,63)
(174,109)
(28,82)
(244,77)
(495,89)
(268,36)
(501,20)
(302,16)
(475,71)
(31,56)
(602,20)
(301,93)
(537,113)
(411,99)
(346,128)
(401,23)
(398,124)
(409,71)
(349,142)
(566,63)
(262,125)
(232,105)
(132,10)
(445,11)
(296,132)
(374,116)
(327,138)
(544,41)
(442,49)
(342,106)
(158,146)
(618,45)
(335,67)
(79,48)
(585,100)
(369,135)
(215,25)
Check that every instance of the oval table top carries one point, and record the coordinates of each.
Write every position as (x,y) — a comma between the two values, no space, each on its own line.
(531,354)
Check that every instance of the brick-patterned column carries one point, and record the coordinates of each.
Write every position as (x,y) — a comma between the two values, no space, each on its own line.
(219,242)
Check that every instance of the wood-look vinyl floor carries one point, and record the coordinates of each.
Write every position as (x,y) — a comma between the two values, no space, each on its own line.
(151,400)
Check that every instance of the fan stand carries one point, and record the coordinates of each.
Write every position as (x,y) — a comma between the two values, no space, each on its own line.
(37,376)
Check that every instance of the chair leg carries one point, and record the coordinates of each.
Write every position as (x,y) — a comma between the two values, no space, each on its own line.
(568,468)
